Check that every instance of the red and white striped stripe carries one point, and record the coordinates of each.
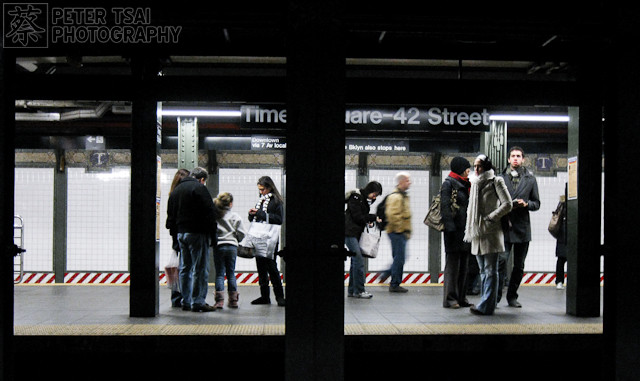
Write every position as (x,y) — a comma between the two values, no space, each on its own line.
(248,278)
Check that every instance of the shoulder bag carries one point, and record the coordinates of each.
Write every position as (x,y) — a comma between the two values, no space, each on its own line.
(433,219)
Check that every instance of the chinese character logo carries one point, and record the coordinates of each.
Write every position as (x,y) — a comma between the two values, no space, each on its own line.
(25,25)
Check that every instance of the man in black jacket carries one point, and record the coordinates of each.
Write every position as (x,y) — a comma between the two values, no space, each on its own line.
(191,216)
(523,188)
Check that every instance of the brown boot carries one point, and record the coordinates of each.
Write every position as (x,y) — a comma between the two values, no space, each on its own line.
(219,297)
(233,299)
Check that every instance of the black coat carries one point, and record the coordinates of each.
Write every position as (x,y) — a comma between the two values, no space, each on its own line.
(190,209)
(454,224)
(517,224)
(357,215)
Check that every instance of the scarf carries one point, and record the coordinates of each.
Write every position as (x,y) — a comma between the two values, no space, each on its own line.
(263,203)
(472,228)
(463,180)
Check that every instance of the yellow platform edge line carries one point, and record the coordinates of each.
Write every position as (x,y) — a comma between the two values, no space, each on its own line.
(279,329)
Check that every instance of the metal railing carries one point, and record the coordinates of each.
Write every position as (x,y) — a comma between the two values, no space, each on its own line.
(18,240)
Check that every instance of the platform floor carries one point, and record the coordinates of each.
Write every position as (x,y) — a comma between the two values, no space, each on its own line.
(70,310)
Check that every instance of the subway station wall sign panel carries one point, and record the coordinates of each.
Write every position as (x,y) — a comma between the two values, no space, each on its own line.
(368,118)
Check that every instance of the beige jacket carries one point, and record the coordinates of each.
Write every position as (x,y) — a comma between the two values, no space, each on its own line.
(495,202)
(398,213)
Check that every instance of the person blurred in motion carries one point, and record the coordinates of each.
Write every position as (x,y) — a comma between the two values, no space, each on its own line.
(398,214)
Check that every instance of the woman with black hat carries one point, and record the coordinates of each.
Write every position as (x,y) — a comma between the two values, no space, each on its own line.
(455,190)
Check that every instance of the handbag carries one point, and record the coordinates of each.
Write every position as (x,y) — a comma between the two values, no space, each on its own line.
(369,242)
(433,219)
(172,272)
(556,220)
(262,238)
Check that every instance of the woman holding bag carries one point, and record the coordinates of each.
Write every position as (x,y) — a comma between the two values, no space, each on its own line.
(489,201)
(356,217)
(269,208)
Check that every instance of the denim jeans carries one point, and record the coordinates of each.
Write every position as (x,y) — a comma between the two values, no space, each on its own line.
(224,260)
(356,272)
(488,264)
(194,267)
(398,251)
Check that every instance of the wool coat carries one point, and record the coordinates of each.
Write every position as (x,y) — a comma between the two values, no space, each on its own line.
(494,202)
(454,222)
(517,224)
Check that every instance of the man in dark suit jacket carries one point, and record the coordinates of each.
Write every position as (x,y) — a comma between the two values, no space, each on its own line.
(523,188)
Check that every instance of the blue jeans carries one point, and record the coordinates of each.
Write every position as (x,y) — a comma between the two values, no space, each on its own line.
(224,260)
(356,272)
(194,267)
(398,252)
(488,264)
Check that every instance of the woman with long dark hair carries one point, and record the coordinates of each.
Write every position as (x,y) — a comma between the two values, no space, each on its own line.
(269,208)
(489,201)
(176,295)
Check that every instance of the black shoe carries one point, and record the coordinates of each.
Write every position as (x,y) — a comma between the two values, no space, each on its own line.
(398,289)
(202,308)
(466,304)
(261,300)
(475,311)
(176,304)
(281,301)
(186,307)
(514,303)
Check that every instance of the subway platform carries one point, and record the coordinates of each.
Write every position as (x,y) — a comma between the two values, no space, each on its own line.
(88,329)
(104,310)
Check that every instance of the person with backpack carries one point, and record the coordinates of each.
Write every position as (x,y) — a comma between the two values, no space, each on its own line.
(398,228)
(356,217)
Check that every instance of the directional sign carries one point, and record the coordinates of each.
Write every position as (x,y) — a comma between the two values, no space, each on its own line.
(94,143)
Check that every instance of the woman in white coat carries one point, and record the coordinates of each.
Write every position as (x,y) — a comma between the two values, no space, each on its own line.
(489,201)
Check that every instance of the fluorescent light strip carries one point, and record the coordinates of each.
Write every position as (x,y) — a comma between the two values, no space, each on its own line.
(221,113)
(530,118)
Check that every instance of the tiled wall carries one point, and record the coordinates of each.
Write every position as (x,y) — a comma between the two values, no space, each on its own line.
(98,216)
(34,203)
(98,219)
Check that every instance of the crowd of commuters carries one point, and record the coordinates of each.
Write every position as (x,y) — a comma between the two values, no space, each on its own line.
(485,216)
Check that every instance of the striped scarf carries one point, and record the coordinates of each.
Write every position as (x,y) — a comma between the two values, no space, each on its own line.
(263,203)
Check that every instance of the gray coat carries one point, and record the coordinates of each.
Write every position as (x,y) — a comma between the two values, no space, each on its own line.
(494,203)
(517,224)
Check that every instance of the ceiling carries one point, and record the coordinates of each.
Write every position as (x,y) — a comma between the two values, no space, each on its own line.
(450,43)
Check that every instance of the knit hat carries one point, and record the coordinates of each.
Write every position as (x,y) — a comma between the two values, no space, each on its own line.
(459,165)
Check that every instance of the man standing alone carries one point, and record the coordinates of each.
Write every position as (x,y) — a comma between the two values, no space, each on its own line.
(398,228)
(523,188)
(192,215)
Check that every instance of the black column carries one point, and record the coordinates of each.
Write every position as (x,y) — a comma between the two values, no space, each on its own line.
(584,209)
(622,137)
(315,194)
(7,177)
(435,237)
(144,253)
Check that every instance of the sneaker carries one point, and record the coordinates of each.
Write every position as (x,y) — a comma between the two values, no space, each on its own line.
(559,286)
(397,289)
(363,295)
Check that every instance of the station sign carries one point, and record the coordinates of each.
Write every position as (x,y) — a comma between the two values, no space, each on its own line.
(376,146)
(367,118)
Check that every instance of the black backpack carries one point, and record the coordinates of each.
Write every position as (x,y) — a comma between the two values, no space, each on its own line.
(381,212)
